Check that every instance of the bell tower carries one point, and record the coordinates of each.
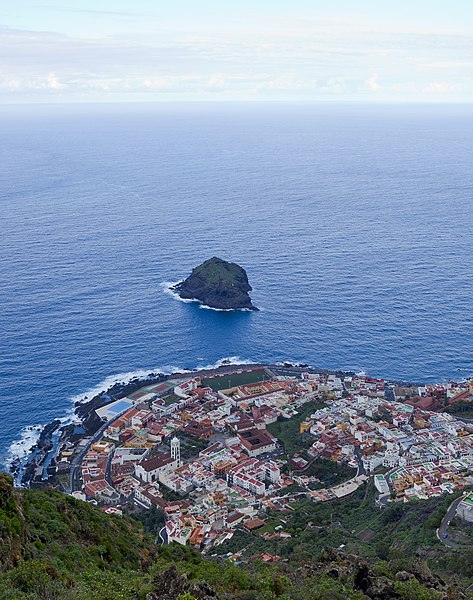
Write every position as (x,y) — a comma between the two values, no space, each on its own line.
(176,450)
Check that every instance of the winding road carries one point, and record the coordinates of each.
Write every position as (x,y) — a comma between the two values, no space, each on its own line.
(442,531)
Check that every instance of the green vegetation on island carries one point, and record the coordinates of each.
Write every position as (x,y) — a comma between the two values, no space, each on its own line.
(217,284)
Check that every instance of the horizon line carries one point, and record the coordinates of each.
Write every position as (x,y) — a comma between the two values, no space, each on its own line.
(241,101)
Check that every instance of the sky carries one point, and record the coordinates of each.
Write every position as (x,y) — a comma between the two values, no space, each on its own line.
(193,50)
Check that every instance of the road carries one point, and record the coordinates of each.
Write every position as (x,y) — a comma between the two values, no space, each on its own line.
(74,473)
(358,456)
(162,537)
(443,529)
(382,500)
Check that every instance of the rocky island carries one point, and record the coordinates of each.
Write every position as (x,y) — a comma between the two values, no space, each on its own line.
(217,284)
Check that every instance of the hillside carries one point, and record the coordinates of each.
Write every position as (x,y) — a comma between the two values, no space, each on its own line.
(55,547)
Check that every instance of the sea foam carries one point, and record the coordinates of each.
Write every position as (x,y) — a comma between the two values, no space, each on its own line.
(21,448)
(168,286)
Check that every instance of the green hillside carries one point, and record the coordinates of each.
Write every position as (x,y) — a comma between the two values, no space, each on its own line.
(54,547)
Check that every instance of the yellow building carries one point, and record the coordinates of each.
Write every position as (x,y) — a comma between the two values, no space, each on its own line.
(306,425)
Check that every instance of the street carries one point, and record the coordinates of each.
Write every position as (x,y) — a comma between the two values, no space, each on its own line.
(443,529)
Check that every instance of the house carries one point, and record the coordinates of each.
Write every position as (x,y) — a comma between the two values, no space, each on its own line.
(257,441)
(201,430)
(102,491)
(253,524)
(234,519)
(148,496)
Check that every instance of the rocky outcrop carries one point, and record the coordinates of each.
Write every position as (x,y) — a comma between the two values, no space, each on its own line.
(357,572)
(217,284)
(170,585)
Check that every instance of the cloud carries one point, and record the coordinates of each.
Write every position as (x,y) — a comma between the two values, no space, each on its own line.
(333,85)
(53,83)
(449,64)
(48,82)
(373,83)
(442,87)
(305,63)
(107,13)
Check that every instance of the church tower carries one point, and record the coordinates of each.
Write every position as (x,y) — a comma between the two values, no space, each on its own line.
(176,450)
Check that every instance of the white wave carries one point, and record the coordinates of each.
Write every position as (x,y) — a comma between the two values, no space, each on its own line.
(359,371)
(222,362)
(168,289)
(222,309)
(21,448)
(126,377)
(292,363)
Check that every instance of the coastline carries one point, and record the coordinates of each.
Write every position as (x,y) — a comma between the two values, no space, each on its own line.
(36,466)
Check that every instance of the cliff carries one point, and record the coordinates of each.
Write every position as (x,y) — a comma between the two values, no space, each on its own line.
(218,284)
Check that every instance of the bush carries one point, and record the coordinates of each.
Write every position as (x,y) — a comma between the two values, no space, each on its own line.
(413,590)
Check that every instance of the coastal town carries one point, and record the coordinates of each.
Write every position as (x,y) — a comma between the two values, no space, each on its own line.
(203,449)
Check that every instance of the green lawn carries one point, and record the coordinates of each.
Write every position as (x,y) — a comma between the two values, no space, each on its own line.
(171,399)
(287,431)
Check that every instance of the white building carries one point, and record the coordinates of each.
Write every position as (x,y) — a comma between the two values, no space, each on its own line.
(249,483)
(148,470)
(272,472)
(371,462)
(465,508)
(381,484)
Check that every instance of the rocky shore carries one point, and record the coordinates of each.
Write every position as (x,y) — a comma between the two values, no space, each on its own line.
(86,422)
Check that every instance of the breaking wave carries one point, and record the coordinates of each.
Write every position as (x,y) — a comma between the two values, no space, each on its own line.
(21,448)
(168,286)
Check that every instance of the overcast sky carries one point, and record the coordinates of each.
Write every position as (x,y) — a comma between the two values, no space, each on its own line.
(315,50)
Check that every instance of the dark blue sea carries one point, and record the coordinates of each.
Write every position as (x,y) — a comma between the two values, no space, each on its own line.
(354,224)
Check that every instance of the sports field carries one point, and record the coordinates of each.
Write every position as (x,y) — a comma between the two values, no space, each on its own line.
(224,382)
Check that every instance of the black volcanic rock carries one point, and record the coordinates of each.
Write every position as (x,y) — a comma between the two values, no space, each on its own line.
(218,284)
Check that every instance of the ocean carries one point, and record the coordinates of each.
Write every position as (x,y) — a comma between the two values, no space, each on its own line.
(353,222)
